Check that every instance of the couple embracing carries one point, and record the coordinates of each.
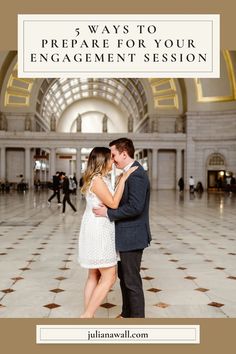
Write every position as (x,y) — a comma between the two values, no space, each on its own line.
(115,228)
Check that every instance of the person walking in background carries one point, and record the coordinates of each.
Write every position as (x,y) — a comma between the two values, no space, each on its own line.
(72,185)
(181,184)
(191,184)
(199,187)
(56,188)
(76,183)
(228,184)
(66,192)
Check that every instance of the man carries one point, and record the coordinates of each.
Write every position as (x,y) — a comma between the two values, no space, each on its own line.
(66,192)
(191,184)
(132,227)
(56,188)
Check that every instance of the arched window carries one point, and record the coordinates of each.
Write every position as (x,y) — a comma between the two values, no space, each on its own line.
(216,160)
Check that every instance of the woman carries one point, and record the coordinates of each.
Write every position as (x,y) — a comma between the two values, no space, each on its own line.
(97,235)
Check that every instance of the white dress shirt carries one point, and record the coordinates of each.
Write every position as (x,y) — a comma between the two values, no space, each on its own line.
(127,167)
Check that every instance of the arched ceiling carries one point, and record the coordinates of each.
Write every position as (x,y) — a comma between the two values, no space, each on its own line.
(56,95)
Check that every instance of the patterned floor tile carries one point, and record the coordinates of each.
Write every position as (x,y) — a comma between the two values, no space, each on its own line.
(189,231)
(219,268)
(60,278)
(162,305)
(64,268)
(107,305)
(52,306)
(202,289)
(148,278)
(154,290)
(57,290)
(190,278)
(7,291)
(216,304)
(24,269)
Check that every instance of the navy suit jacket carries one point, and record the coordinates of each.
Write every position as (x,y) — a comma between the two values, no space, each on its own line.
(132,216)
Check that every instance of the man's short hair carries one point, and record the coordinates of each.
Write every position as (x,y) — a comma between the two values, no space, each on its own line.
(124,144)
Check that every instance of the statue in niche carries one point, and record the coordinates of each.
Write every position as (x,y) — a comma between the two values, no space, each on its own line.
(130,124)
(28,123)
(149,125)
(154,126)
(78,123)
(53,123)
(3,121)
(104,124)
(179,124)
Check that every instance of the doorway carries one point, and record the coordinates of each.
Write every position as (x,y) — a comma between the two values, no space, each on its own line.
(215,180)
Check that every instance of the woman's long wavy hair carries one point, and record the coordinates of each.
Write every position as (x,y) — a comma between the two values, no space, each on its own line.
(97,165)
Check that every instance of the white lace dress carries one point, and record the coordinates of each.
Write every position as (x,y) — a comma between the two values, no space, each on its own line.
(97,235)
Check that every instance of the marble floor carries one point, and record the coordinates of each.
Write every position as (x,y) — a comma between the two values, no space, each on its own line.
(189,271)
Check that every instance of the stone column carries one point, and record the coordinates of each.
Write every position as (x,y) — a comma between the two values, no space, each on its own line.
(41,172)
(27,175)
(78,164)
(191,131)
(149,159)
(154,168)
(52,163)
(3,163)
(178,166)
(45,174)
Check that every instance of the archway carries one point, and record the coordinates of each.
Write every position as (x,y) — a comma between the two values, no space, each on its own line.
(216,171)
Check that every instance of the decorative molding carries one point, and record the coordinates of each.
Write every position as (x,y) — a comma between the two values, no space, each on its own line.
(18,90)
(232,82)
(211,113)
(87,140)
(164,93)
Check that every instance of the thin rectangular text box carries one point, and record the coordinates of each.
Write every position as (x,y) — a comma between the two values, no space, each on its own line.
(120,334)
(118,45)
